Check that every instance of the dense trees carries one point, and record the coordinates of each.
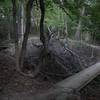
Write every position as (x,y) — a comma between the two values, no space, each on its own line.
(76,18)
(56,23)
(57,10)
(68,18)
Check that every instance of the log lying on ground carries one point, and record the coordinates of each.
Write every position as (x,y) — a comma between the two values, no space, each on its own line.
(83,43)
(74,83)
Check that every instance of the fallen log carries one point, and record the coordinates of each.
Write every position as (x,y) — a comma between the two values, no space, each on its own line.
(83,43)
(62,89)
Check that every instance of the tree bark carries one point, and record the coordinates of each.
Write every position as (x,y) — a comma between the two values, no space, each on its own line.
(63,89)
(66,26)
(42,35)
(21,20)
(27,31)
(78,29)
(15,31)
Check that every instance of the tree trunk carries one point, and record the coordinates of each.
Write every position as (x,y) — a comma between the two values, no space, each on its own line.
(21,21)
(66,26)
(15,31)
(27,31)
(78,29)
(42,35)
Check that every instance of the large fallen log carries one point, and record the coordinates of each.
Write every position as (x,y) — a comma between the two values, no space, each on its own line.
(62,89)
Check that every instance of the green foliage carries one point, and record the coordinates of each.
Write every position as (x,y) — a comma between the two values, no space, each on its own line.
(95,19)
(54,15)
(5,16)
(57,13)
(5,7)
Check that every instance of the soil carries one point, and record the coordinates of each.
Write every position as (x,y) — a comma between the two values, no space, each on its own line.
(14,86)
(92,90)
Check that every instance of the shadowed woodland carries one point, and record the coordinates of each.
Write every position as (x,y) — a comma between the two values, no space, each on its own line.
(49,49)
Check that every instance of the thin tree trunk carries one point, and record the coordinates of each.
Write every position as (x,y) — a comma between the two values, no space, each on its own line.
(94,40)
(66,26)
(27,31)
(58,32)
(15,31)
(42,35)
(9,33)
(77,34)
(21,21)
(78,29)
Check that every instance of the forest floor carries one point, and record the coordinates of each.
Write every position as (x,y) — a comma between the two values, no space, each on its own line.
(14,86)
